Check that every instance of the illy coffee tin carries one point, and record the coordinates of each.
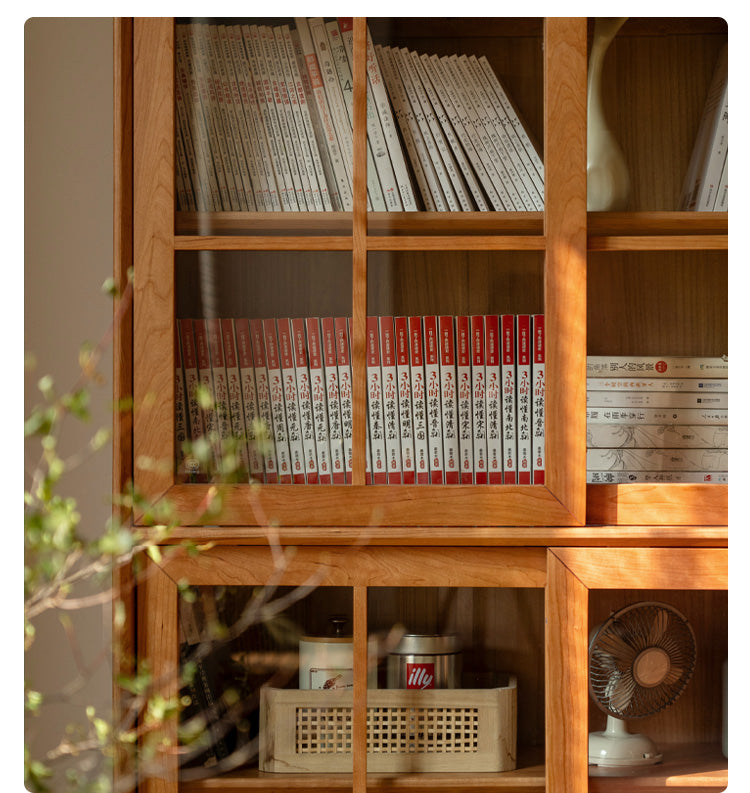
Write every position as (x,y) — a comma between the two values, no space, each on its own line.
(425,661)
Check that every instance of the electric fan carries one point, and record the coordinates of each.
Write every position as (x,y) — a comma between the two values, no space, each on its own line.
(640,661)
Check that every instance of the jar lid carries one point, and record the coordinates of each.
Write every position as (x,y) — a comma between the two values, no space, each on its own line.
(427,644)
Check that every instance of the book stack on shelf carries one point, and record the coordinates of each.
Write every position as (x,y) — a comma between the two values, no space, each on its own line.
(706,182)
(466,144)
(264,123)
(657,420)
(450,400)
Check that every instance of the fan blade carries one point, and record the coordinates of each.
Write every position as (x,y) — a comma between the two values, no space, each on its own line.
(620,691)
(617,646)
(658,628)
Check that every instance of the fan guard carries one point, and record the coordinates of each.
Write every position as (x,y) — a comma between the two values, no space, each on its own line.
(640,661)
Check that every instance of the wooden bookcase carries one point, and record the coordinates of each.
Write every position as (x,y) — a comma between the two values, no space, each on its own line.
(649,280)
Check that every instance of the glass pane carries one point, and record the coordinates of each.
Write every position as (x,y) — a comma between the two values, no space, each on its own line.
(261,127)
(474,654)
(262,380)
(245,653)
(450,368)
(458,120)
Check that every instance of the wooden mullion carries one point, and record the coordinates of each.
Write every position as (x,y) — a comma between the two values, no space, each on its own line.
(359,707)
(566,674)
(359,252)
(565,264)
(153,252)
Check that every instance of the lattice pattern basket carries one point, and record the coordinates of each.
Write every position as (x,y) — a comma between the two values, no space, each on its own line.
(407,731)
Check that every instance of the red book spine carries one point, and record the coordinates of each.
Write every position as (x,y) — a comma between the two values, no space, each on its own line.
(494,414)
(195,425)
(465,424)
(335,429)
(234,393)
(508,375)
(406,422)
(304,393)
(343,361)
(432,393)
(478,400)
(538,396)
(419,403)
(205,376)
(291,400)
(250,405)
(390,401)
(375,404)
(523,392)
(449,401)
(318,399)
(278,410)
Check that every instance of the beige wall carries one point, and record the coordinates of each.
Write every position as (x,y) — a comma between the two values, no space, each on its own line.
(68,254)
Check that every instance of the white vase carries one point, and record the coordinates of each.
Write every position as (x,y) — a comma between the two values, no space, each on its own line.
(608,181)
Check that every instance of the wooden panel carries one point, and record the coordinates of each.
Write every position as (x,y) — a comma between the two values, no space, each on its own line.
(158,644)
(668,504)
(363,566)
(647,568)
(565,270)
(566,643)
(403,505)
(153,343)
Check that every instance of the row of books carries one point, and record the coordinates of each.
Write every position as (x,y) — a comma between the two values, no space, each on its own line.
(706,182)
(265,120)
(450,400)
(657,419)
(264,123)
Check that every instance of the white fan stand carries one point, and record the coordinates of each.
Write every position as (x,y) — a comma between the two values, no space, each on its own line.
(616,747)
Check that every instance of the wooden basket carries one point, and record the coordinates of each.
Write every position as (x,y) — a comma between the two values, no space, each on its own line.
(407,730)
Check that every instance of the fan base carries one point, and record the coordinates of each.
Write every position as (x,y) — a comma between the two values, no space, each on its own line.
(623,749)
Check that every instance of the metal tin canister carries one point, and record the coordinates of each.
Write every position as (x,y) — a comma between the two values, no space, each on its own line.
(326,662)
(425,661)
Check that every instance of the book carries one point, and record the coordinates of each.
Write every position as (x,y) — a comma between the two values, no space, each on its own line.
(605,415)
(320,402)
(234,395)
(375,415)
(221,389)
(682,459)
(277,395)
(206,397)
(294,428)
(255,427)
(657,399)
(406,421)
(493,400)
(538,395)
(343,362)
(709,151)
(194,416)
(523,397)
(432,398)
(304,395)
(676,384)
(335,424)
(657,436)
(478,400)
(419,400)
(657,477)
(656,366)
(391,424)
(508,375)
(464,396)
(449,400)
(266,414)
(181,435)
